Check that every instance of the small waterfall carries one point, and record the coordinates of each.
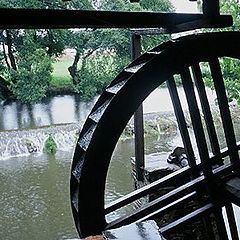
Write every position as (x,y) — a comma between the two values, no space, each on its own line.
(25,142)
(65,139)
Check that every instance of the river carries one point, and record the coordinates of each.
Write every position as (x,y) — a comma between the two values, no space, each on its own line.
(34,201)
(69,108)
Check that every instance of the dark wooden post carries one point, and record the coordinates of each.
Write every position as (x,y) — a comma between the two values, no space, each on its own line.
(211,8)
(138,118)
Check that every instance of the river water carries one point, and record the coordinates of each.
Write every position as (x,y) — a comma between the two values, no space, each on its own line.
(34,201)
(69,108)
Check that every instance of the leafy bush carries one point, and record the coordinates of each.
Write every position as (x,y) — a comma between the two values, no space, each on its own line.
(50,145)
(96,73)
(30,83)
(231,76)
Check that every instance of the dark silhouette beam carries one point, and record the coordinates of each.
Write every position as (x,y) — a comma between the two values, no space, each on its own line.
(56,18)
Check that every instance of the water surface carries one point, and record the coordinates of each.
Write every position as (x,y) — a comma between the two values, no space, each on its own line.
(34,200)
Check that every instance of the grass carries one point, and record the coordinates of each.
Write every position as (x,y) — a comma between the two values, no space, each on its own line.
(61,77)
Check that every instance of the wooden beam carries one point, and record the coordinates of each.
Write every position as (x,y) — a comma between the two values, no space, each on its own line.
(148,189)
(203,211)
(211,8)
(138,119)
(232,188)
(158,203)
(58,18)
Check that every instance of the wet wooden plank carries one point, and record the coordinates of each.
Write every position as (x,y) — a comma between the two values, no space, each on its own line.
(205,210)
(232,221)
(178,204)
(138,119)
(224,110)
(147,230)
(196,121)
(232,188)
(160,202)
(211,8)
(207,112)
(182,125)
(135,195)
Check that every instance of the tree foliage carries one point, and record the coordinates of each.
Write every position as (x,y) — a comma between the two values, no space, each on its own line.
(30,83)
(100,53)
(230,67)
(232,7)
(91,41)
(29,66)
(50,145)
(27,53)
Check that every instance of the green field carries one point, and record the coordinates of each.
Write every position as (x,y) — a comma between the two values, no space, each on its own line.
(61,77)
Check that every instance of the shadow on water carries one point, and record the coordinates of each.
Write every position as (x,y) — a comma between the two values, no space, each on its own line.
(63,109)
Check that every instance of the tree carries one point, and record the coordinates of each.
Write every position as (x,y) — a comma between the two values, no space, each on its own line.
(31,81)
(232,7)
(29,66)
(27,53)
(230,67)
(91,42)
(4,90)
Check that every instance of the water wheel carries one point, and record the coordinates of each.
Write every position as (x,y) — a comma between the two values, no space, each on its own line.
(120,100)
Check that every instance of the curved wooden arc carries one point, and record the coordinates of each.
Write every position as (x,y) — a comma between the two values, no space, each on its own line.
(115,107)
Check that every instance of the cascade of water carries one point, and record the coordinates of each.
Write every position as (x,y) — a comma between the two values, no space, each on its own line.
(25,142)
(65,140)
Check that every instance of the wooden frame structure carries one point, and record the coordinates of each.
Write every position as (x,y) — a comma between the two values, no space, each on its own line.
(91,158)
(112,112)
(168,22)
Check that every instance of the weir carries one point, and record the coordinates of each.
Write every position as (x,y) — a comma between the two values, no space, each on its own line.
(24,142)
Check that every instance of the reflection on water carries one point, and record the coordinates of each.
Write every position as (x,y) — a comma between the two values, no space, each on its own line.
(69,109)
(55,110)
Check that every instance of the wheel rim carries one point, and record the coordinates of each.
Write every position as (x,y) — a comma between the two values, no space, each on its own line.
(115,107)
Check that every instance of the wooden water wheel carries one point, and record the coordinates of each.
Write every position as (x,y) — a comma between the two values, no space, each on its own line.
(118,103)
